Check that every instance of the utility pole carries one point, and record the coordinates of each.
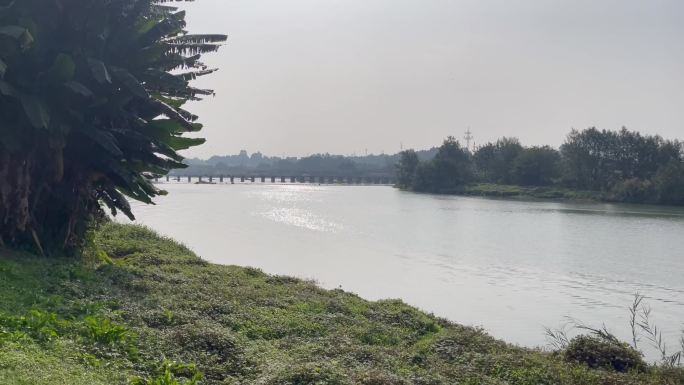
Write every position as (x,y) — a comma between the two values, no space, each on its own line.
(468,137)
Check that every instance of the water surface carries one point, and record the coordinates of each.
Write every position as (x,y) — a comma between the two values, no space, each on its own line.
(512,267)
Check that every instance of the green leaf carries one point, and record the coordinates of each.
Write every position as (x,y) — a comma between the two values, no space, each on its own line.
(36,111)
(79,88)
(99,71)
(165,150)
(8,6)
(115,200)
(62,69)
(173,102)
(131,83)
(166,126)
(177,115)
(21,34)
(179,143)
(202,39)
(105,140)
(7,89)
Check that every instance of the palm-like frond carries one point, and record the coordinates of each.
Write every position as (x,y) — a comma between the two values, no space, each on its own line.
(91,97)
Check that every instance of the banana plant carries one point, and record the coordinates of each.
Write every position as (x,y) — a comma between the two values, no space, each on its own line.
(91,110)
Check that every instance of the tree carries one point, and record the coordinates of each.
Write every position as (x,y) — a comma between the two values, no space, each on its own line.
(494,161)
(536,166)
(451,167)
(485,159)
(425,179)
(584,157)
(669,183)
(91,96)
(406,168)
(602,160)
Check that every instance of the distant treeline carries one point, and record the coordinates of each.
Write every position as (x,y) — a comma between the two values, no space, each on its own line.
(624,166)
(315,165)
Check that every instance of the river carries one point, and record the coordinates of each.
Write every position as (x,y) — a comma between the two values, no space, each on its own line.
(512,267)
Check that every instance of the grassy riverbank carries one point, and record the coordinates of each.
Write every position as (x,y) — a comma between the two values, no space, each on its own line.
(530,192)
(137,302)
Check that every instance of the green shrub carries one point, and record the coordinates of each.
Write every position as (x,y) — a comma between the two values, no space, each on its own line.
(633,190)
(603,353)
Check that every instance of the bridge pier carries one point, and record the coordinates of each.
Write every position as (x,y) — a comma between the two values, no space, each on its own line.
(221,179)
(189,179)
(251,179)
(232,180)
(167,178)
(263,179)
(242,179)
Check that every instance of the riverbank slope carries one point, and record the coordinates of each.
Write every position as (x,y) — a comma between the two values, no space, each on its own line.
(138,307)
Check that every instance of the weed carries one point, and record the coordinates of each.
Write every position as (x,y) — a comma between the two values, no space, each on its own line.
(39,325)
(103,331)
(655,336)
(172,373)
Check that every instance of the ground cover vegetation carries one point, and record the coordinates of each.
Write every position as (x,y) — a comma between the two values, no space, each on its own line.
(620,166)
(91,96)
(141,309)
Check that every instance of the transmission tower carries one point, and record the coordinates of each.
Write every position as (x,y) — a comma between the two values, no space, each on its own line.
(468,137)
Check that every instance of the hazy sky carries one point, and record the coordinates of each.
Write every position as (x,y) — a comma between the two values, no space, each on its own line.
(341,76)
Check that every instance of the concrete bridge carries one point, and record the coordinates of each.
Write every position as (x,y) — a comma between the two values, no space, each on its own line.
(232,179)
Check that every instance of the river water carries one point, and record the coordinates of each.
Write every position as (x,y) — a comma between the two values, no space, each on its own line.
(512,267)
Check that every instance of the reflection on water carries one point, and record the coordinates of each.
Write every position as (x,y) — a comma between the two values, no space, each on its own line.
(301,218)
(510,266)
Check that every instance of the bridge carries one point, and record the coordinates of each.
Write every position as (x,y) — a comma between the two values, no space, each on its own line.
(304,179)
